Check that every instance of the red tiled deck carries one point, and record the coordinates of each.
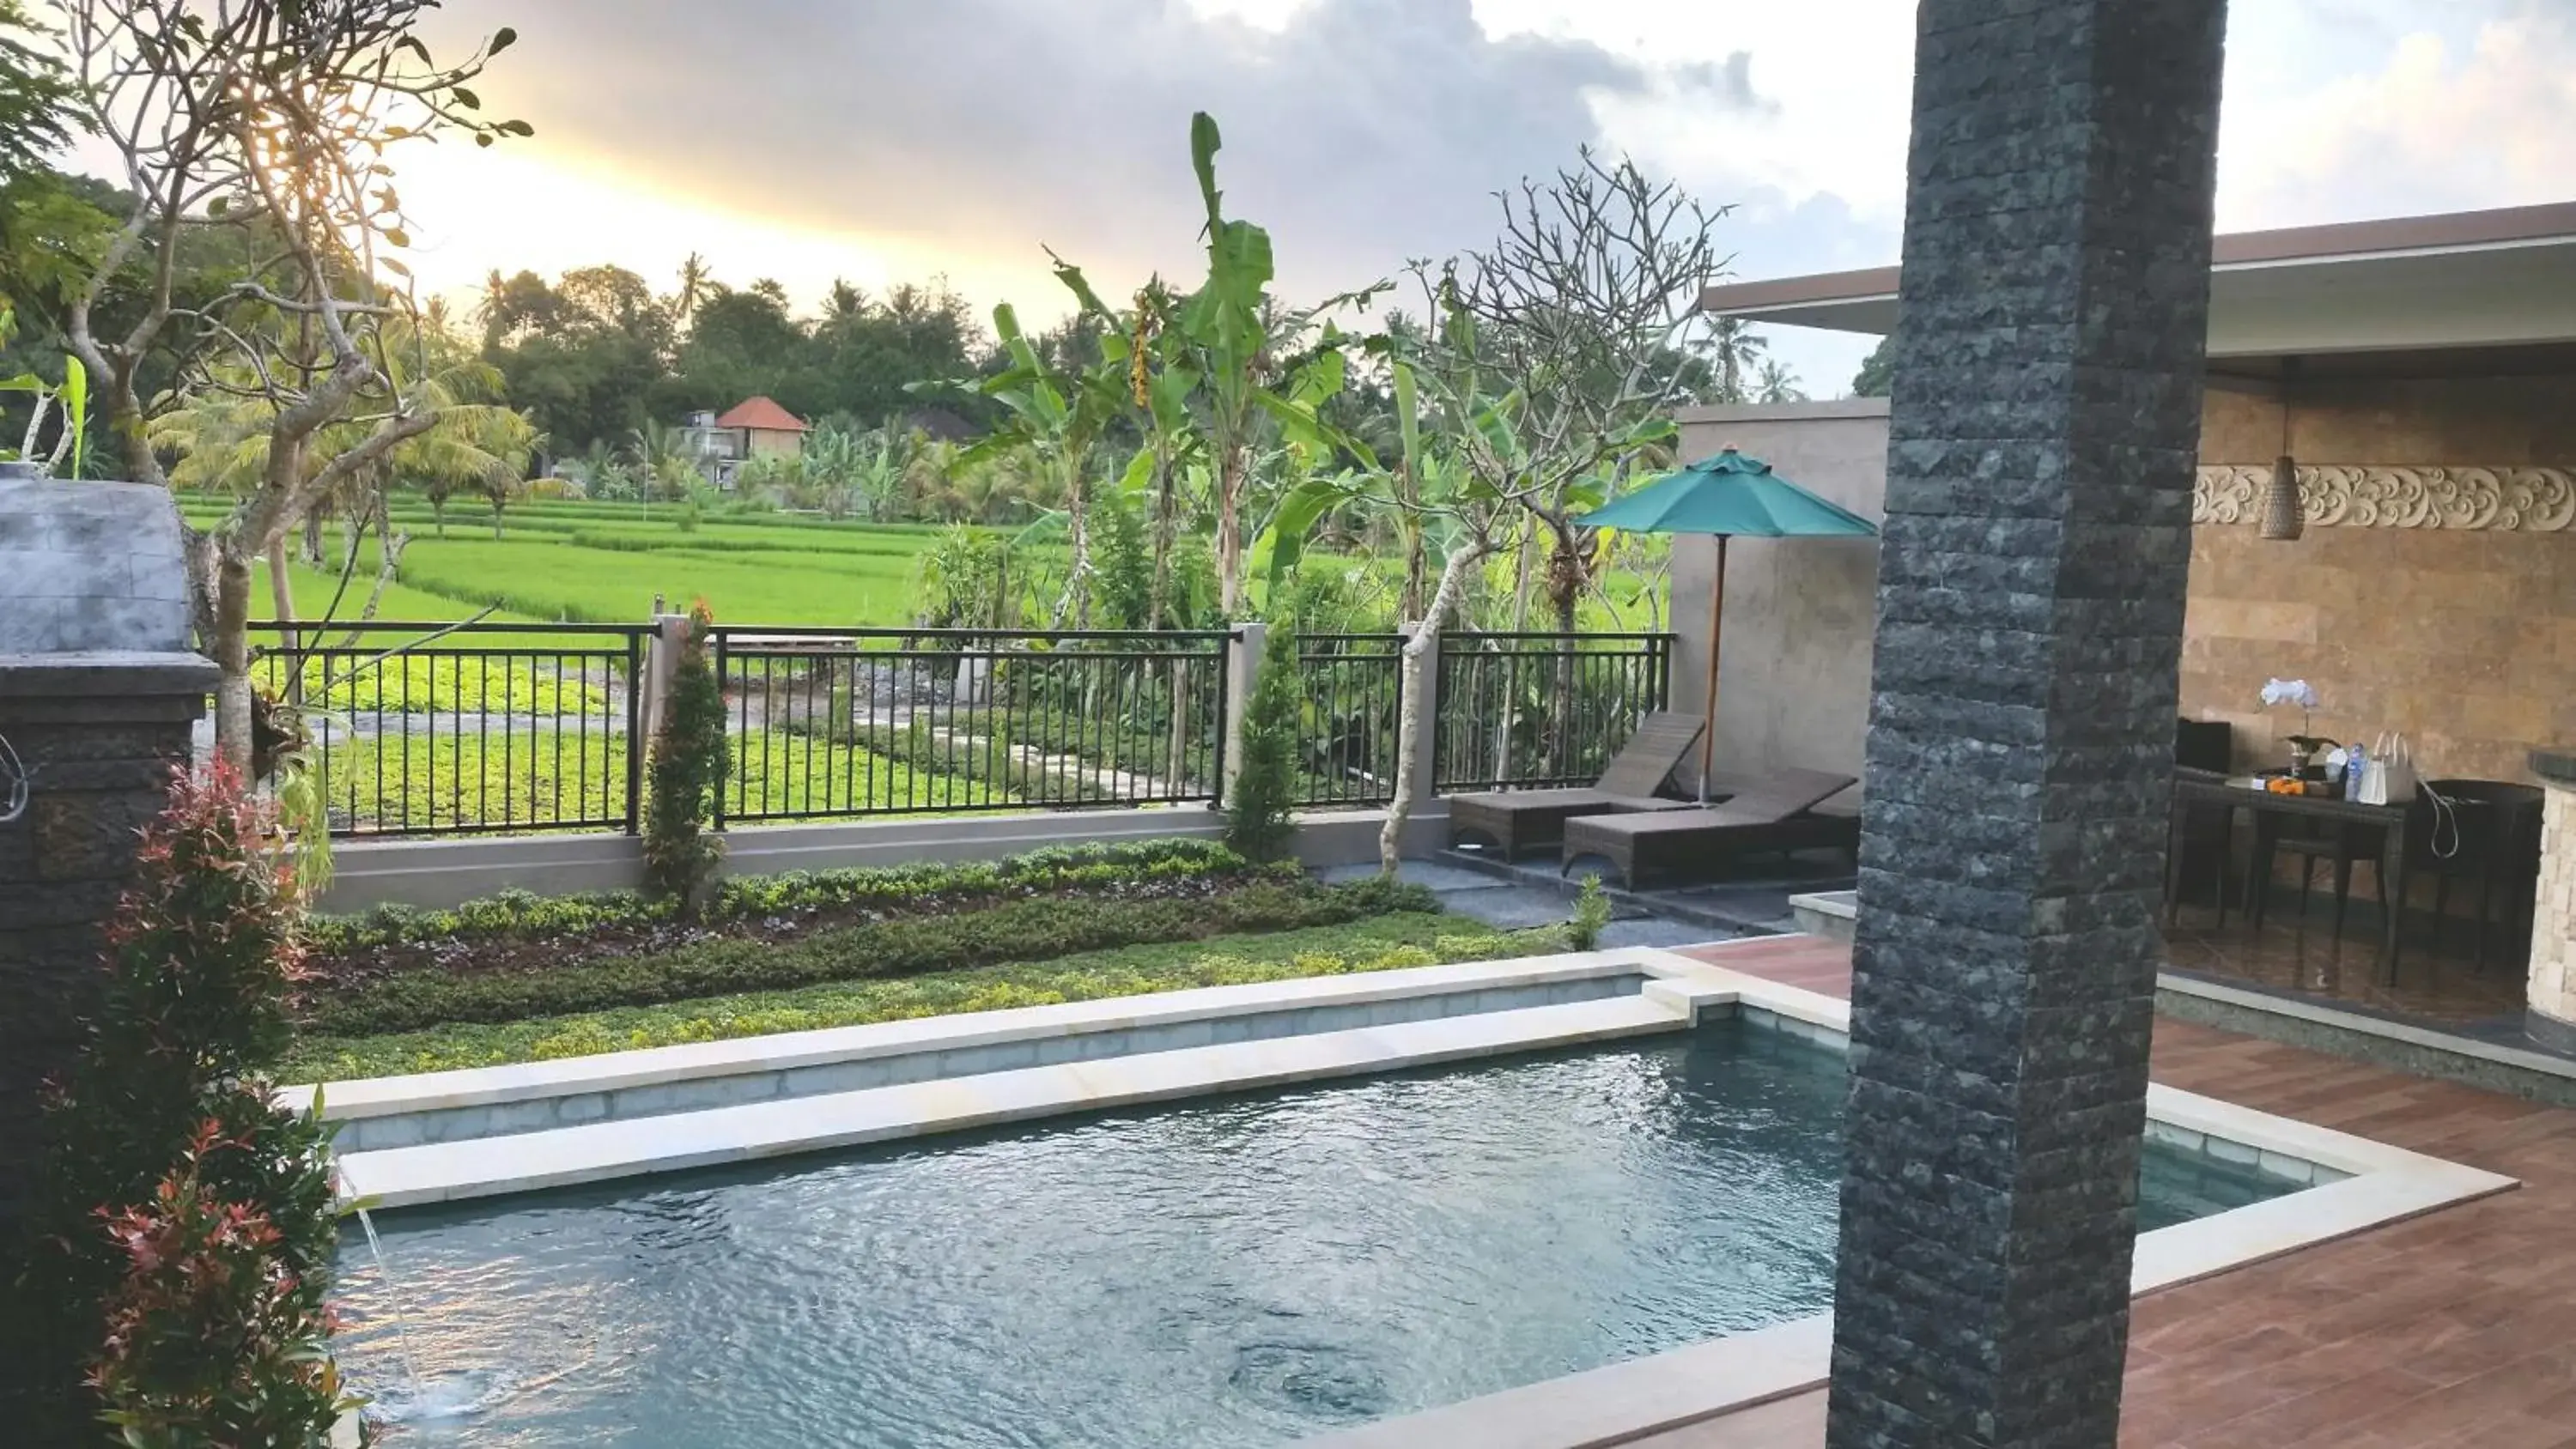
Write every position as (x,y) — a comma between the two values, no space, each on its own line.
(2457,1328)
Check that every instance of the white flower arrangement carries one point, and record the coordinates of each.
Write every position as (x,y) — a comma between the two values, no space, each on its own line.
(2290,691)
(2304,695)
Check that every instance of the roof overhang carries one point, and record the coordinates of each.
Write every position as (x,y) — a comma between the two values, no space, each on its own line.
(2480,279)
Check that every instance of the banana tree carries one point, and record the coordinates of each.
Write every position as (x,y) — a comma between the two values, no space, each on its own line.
(1057,416)
(1252,355)
(1159,383)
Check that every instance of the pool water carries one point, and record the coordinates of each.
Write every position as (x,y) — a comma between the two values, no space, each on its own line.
(1239,1271)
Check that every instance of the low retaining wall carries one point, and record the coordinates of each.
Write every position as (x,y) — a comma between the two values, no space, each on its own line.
(440,873)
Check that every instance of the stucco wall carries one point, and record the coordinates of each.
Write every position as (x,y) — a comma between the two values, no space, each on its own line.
(772,443)
(1793,675)
(2466,640)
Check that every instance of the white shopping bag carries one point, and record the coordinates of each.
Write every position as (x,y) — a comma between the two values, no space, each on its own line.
(2388,776)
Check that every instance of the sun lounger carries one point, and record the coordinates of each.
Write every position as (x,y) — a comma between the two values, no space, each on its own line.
(1519,820)
(1774,812)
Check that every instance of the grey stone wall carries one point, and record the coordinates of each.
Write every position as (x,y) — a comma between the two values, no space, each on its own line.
(2031,582)
(1793,678)
(87,566)
(98,735)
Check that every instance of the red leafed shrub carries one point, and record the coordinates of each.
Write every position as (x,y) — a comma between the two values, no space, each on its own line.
(215,1336)
(195,1009)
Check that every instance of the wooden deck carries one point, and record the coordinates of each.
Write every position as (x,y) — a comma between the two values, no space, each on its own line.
(2457,1328)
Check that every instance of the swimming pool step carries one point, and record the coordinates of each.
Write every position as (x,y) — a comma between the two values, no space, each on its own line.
(602,1151)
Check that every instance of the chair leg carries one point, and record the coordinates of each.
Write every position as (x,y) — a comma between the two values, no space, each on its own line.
(2343,886)
(2441,906)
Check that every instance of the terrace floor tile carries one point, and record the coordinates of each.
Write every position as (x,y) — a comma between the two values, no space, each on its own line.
(2449,1329)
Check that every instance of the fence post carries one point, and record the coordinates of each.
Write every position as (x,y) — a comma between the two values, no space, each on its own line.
(1242,672)
(661,658)
(1425,676)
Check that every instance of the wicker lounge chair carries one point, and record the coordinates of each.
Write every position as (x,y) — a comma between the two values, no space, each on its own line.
(1775,812)
(1518,820)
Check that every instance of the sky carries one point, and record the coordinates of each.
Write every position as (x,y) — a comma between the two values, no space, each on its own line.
(891,140)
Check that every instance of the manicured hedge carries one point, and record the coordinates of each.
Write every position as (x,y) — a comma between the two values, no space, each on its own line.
(519,915)
(1021,930)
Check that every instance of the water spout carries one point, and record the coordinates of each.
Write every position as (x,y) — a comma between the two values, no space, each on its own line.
(394,1308)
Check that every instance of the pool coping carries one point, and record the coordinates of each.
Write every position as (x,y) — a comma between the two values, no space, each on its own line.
(1667,1001)
(1618,1403)
(786,1051)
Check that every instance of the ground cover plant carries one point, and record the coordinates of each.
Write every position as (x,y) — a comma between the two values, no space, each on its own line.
(1378,943)
(491,989)
(397,989)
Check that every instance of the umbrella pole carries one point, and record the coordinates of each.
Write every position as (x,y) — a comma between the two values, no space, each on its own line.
(1716,614)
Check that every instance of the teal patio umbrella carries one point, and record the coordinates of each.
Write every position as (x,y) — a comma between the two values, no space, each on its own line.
(1727,496)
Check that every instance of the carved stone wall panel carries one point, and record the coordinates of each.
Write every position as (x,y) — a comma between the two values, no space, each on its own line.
(2531,500)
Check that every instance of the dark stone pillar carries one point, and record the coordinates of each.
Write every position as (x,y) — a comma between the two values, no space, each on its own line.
(2041,446)
(97,734)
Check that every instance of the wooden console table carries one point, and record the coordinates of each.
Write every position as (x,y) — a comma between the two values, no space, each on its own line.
(2193,791)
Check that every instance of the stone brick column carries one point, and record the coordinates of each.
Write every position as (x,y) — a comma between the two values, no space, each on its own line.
(98,734)
(2041,447)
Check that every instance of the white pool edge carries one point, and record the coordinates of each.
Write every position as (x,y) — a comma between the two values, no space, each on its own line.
(1625,1401)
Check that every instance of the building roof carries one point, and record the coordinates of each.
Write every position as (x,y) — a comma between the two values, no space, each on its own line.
(761,415)
(2475,279)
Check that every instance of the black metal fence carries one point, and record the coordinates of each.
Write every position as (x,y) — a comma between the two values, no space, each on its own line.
(1542,709)
(432,729)
(1351,686)
(841,723)
(1514,709)
(437,729)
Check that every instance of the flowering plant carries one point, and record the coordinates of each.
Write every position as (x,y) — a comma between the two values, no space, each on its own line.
(2290,691)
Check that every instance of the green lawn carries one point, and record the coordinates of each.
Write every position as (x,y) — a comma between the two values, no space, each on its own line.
(535,773)
(1380,943)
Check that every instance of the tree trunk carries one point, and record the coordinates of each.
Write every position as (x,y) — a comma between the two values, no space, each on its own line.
(229,647)
(1229,532)
(438,513)
(1566,572)
(313,536)
(1421,656)
(496,520)
(1159,609)
(1077,576)
(281,597)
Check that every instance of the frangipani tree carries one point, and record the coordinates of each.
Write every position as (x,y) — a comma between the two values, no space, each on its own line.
(272,123)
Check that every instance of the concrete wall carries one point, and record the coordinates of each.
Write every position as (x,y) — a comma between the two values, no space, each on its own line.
(1793,673)
(2464,639)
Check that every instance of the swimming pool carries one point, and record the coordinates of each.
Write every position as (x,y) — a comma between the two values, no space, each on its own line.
(1237,1271)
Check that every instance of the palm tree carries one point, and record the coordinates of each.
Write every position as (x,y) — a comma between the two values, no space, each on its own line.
(695,282)
(1775,383)
(1737,349)
(661,460)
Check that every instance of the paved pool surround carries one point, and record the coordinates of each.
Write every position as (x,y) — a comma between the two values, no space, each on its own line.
(1091,1056)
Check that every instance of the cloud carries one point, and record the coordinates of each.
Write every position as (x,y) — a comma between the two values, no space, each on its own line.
(2452,110)
(1360,131)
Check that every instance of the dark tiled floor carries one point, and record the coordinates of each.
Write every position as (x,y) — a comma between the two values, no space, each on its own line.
(2438,983)
(1753,899)
(1515,903)
(2457,1328)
